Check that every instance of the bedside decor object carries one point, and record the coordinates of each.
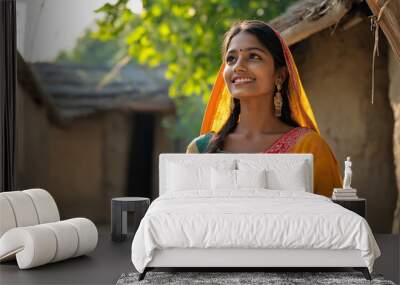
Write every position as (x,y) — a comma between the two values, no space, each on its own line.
(347,174)
(119,215)
(347,192)
(31,231)
(344,194)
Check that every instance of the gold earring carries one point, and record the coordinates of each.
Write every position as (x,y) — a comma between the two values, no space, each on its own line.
(278,101)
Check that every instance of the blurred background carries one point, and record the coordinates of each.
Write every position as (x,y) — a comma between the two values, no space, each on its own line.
(104,87)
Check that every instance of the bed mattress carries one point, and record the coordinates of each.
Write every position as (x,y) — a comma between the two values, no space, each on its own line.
(250,219)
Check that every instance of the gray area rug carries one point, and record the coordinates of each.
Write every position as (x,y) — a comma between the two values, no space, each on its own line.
(225,278)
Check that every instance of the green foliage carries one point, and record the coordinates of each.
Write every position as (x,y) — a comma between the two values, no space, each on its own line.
(184,35)
(92,51)
(189,113)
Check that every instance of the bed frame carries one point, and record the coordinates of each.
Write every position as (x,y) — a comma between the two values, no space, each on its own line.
(242,258)
(256,258)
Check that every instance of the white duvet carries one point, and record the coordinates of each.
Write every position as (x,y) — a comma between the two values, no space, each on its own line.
(253,218)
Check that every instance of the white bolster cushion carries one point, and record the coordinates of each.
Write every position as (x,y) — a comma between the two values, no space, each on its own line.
(7,218)
(40,244)
(23,208)
(33,246)
(45,205)
(87,233)
(67,240)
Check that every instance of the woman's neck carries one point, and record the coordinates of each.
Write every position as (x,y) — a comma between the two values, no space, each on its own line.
(256,117)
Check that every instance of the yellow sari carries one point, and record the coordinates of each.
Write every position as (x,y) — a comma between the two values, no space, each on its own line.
(303,139)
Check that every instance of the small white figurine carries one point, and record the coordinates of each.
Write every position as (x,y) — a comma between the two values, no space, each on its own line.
(347,174)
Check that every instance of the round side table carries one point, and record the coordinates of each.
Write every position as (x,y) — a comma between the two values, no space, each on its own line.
(119,209)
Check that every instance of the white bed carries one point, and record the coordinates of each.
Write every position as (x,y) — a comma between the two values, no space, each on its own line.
(205,226)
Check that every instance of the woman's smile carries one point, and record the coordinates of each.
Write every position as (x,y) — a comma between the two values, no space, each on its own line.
(238,81)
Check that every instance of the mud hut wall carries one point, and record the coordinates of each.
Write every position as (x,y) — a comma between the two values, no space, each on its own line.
(336,73)
(162,144)
(118,126)
(76,169)
(32,133)
(394,96)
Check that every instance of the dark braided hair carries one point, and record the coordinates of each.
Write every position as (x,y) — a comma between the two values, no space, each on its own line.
(267,37)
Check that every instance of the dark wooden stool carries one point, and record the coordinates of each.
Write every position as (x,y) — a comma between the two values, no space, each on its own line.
(119,215)
(358,205)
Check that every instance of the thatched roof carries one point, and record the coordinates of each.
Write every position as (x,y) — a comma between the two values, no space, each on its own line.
(389,20)
(72,91)
(307,17)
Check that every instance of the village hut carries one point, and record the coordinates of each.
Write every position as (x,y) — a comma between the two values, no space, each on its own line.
(333,45)
(86,143)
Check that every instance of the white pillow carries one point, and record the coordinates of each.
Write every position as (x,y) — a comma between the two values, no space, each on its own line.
(251,178)
(294,179)
(281,174)
(223,179)
(184,175)
(227,179)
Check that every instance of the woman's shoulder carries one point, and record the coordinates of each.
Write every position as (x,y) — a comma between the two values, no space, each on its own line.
(313,136)
(311,141)
(200,143)
(309,134)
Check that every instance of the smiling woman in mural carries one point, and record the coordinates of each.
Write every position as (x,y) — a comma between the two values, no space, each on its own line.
(258,104)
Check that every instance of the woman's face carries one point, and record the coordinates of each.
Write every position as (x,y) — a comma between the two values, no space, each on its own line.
(249,67)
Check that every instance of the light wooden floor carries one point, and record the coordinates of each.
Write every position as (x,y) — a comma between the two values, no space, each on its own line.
(111,259)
